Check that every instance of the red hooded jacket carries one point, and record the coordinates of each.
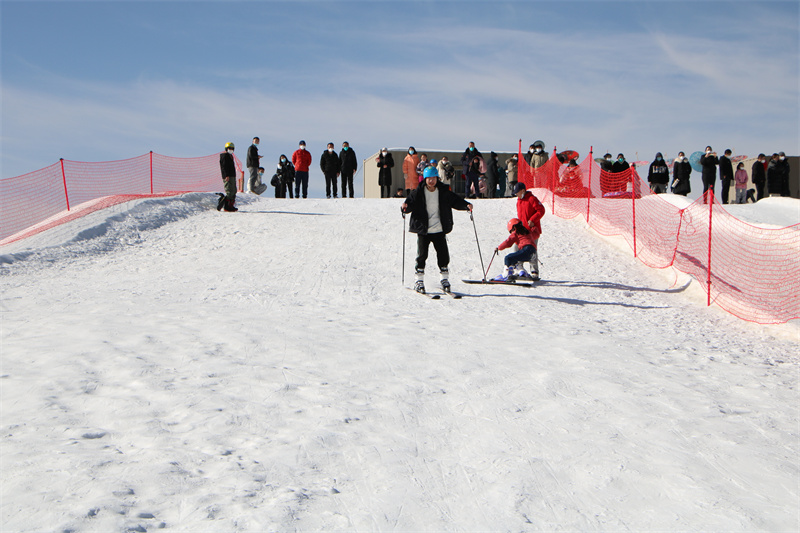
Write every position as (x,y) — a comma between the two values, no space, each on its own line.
(530,212)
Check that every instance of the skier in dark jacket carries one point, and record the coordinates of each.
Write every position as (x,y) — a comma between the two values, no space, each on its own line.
(385,163)
(758,174)
(227,167)
(348,164)
(725,175)
(681,172)
(329,163)
(658,176)
(709,162)
(431,206)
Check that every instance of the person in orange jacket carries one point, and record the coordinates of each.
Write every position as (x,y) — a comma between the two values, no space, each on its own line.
(410,170)
(301,159)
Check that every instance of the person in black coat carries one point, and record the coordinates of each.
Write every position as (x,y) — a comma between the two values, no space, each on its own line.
(253,162)
(758,174)
(709,163)
(285,177)
(492,176)
(778,175)
(385,164)
(348,164)
(431,206)
(329,163)
(725,175)
(681,172)
(227,167)
(658,175)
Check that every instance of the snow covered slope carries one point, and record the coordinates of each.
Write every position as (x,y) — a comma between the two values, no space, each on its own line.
(166,366)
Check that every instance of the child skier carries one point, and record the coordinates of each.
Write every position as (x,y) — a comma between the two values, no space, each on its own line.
(523,238)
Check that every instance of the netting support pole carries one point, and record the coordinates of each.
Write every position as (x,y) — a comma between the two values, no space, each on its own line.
(633,196)
(710,199)
(519,158)
(553,181)
(589,191)
(151,172)
(64,177)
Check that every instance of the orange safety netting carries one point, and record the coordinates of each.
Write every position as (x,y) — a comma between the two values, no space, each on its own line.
(28,200)
(751,272)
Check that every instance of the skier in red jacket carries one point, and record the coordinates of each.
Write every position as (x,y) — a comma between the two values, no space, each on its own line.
(522,238)
(530,212)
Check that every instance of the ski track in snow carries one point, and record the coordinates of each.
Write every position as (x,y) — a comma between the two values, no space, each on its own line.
(166,366)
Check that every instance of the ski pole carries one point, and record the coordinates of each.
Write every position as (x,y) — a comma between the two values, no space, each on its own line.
(490,265)
(403,272)
(477,242)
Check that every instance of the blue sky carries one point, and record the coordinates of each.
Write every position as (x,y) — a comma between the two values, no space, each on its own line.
(99,81)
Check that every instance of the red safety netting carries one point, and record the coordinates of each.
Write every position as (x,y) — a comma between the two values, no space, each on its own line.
(751,272)
(28,202)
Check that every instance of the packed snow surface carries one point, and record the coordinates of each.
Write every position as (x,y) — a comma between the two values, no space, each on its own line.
(167,366)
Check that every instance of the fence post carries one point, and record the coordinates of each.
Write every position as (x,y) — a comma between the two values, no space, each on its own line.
(64,177)
(151,172)
(710,199)
(553,181)
(589,189)
(633,196)
(519,158)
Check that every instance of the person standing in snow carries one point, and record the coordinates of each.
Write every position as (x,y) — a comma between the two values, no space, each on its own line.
(741,184)
(526,247)
(410,170)
(253,162)
(758,173)
(385,163)
(348,164)
(709,163)
(474,174)
(511,170)
(538,157)
(421,166)
(492,176)
(778,175)
(725,175)
(301,159)
(431,205)
(530,212)
(658,176)
(285,175)
(227,167)
(446,171)
(329,164)
(681,171)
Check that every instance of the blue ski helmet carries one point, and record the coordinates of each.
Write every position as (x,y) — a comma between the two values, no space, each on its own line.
(430,172)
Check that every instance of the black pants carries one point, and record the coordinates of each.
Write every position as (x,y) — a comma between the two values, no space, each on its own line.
(708,184)
(330,179)
(439,241)
(759,190)
(726,187)
(386,191)
(347,181)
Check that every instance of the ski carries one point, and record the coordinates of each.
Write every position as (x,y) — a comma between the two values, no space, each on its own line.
(493,282)
(432,296)
(454,295)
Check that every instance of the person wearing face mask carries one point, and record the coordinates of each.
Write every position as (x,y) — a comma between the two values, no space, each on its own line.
(329,164)
(301,159)
(620,165)
(512,164)
(410,170)
(285,177)
(658,175)
(681,171)
(446,171)
(259,187)
(467,159)
(348,164)
(227,166)
(539,157)
(725,175)
(709,163)
(778,175)
(758,173)
(740,178)
(253,162)
(385,163)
